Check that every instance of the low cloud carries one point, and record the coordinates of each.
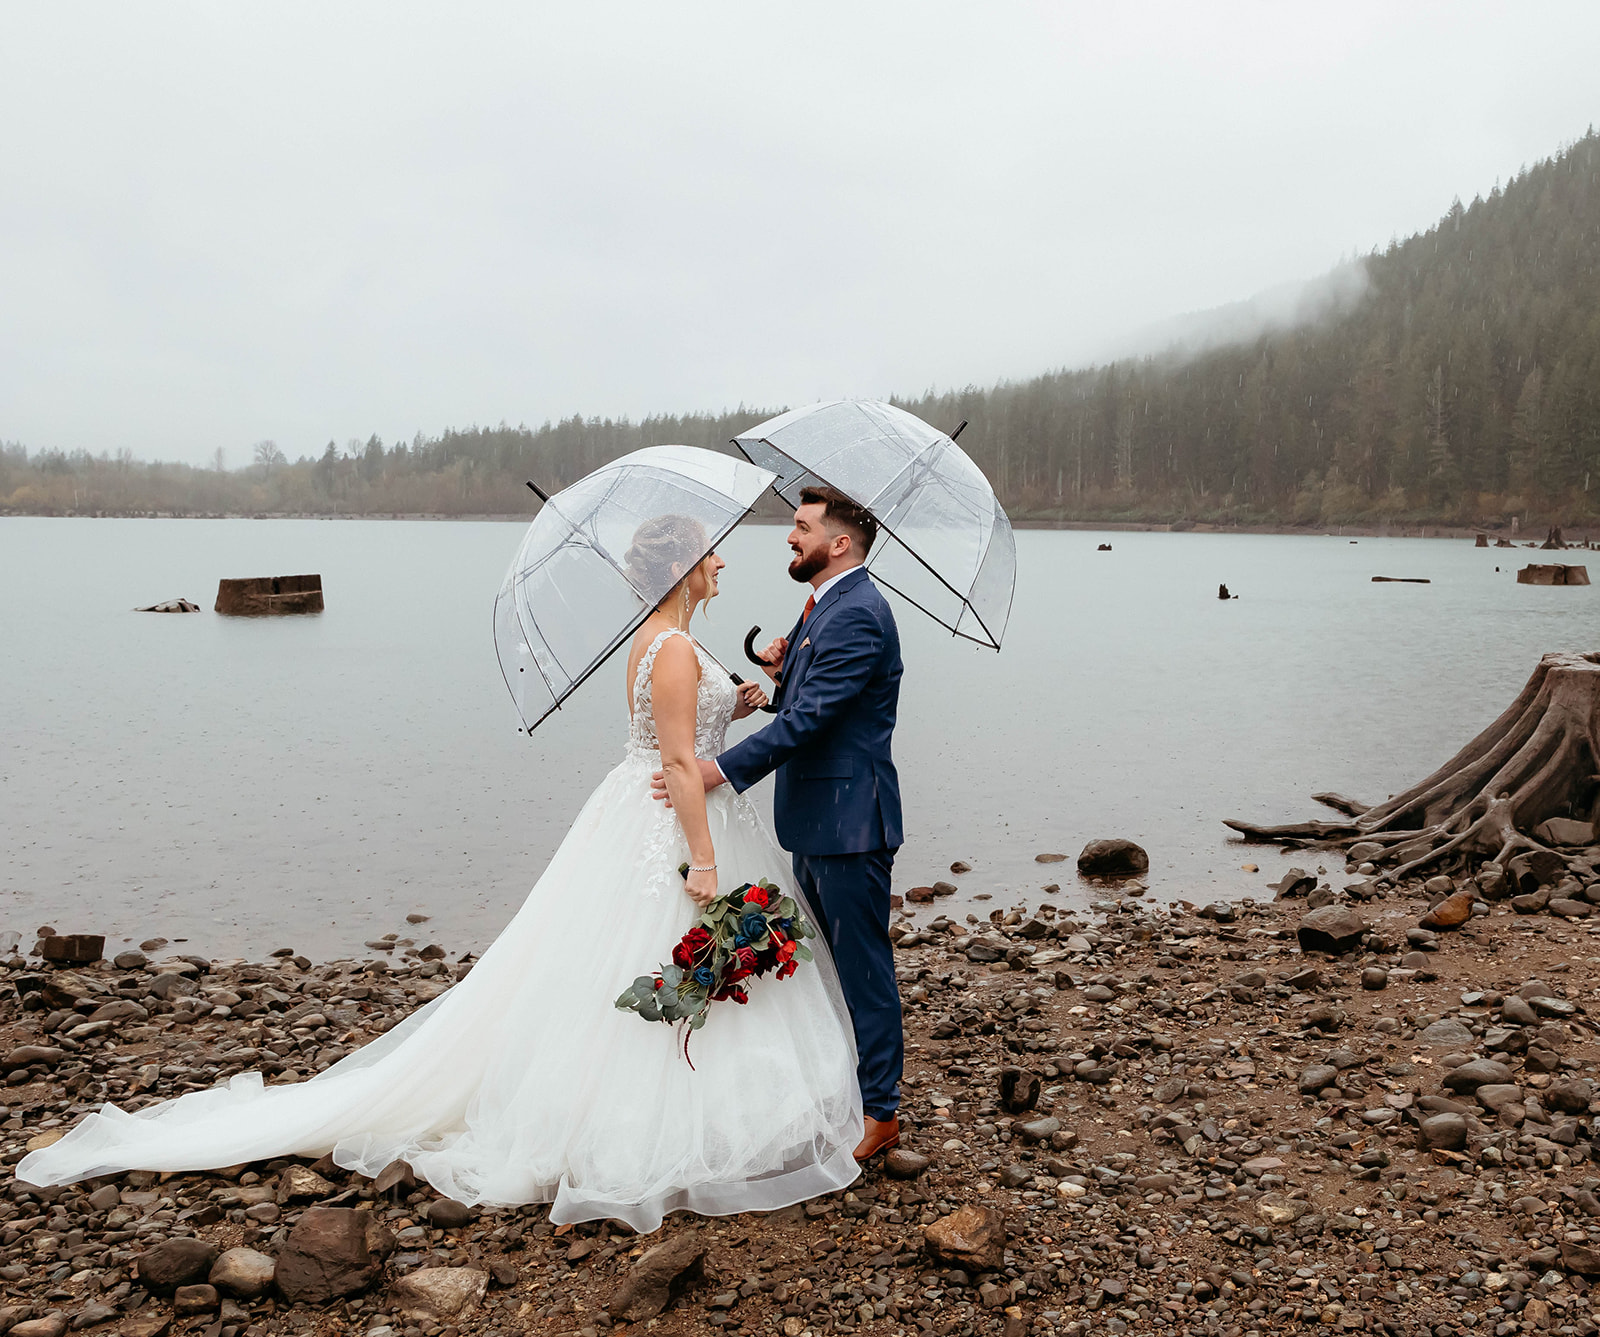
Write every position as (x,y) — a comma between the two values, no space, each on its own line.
(1287,306)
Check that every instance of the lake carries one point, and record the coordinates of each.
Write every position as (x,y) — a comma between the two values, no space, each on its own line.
(309,781)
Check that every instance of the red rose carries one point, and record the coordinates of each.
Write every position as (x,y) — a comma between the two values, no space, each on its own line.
(786,970)
(741,967)
(786,951)
(739,996)
(691,945)
(756,896)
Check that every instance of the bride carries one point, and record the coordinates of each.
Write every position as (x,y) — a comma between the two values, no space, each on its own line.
(524,1083)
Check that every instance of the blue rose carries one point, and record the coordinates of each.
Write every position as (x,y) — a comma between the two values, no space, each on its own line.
(753,926)
(739,940)
(703,976)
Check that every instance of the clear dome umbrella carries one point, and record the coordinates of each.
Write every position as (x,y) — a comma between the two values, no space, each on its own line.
(946,545)
(601,554)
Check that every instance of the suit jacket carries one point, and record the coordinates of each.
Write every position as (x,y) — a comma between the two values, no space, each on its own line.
(837,789)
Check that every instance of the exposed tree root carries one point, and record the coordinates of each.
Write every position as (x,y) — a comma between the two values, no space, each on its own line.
(1537,761)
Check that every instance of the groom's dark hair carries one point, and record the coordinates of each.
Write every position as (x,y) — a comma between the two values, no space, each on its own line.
(841,513)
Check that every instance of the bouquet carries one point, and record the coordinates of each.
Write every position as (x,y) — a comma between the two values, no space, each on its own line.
(742,935)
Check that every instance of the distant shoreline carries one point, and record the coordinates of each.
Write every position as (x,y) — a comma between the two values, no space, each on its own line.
(1526,539)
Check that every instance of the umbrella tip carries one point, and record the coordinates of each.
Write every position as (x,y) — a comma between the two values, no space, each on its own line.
(545,496)
(960,428)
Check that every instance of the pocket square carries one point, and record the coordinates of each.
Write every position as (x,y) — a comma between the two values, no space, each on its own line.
(805,642)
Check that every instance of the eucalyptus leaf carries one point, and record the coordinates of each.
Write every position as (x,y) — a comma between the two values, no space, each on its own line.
(627,1000)
(803,953)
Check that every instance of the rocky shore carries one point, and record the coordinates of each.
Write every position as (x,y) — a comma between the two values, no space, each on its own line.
(1216,1120)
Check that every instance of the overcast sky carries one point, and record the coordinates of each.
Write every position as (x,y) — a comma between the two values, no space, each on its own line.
(227,222)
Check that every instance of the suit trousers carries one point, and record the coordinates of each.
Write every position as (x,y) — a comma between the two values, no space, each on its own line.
(850,892)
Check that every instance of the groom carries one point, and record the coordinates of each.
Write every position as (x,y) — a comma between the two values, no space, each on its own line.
(838,797)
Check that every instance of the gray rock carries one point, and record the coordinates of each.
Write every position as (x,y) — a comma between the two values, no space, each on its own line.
(1039,1130)
(1374,978)
(438,1294)
(1447,1033)
(1498,1096)
(1517,1011)
(1317,1078)
(971,1237)
(1113,858)
(1325,1017)
(1568,1097)
(903,1163)
(332,1252)
(51,1325)
(1480,1072)
(1019,1090)
(1446,1132)
(166,1266)
(660,1273)
(448,1214)
(1335,929)
(243,1273)
(197,1299)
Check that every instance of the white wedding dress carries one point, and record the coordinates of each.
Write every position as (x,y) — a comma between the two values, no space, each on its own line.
(524,1083)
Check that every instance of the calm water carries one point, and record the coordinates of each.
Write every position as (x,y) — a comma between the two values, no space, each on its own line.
(309,781)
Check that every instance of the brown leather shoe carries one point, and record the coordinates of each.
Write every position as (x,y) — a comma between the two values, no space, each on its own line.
(881,1135)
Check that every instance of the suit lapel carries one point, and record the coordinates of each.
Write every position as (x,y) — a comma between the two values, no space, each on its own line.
(808,627)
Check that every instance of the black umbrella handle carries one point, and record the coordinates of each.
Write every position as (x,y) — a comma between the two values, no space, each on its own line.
(754,658)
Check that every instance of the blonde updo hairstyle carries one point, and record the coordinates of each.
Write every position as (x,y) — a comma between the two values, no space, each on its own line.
(664,551)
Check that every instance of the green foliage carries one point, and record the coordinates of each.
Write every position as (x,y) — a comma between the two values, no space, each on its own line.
(710,953)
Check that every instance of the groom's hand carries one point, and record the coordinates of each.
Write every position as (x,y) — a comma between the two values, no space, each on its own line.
(710,777)
(774,654)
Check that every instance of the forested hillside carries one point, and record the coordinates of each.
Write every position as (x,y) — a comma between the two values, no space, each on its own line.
(1464,386)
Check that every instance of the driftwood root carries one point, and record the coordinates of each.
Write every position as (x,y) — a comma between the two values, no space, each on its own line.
(1537,761)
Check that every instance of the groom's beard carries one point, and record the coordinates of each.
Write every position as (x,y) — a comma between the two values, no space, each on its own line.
(803,567)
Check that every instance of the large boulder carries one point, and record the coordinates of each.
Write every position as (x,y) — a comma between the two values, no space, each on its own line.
(662,1272)
(971,1237)
(164,1267)
(1113,858)
(330,1253)
(1335,929)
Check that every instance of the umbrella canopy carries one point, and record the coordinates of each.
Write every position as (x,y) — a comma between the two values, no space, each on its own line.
(601,555)
(948,547)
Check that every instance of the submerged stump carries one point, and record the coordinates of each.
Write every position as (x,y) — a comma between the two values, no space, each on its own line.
(270,594)
(1538,761)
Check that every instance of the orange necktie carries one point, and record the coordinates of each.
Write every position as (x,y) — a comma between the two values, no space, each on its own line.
(811,602)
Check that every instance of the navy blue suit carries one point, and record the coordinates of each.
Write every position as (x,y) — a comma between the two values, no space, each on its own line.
(838,804)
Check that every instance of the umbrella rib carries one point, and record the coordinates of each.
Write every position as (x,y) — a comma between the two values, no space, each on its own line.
(905,547)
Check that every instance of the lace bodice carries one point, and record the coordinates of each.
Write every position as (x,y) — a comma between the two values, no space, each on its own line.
(713,710)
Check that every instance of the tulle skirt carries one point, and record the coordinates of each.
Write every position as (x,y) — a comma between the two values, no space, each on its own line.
(523,1083)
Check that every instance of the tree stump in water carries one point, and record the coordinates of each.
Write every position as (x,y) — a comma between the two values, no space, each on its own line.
(1537,761)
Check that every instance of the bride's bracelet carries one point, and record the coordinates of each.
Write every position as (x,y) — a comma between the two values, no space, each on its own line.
(709,868)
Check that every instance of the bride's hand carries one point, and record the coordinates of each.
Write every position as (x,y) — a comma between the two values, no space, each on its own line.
(751,699)
(702,887)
